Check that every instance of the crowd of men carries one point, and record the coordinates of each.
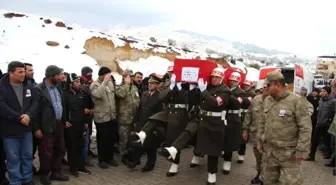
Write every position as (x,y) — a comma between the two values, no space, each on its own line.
(158,114)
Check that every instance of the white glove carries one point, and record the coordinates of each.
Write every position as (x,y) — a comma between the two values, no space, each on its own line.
(202,85)
(240,100)
(179,85)
(192,86)
(172,82)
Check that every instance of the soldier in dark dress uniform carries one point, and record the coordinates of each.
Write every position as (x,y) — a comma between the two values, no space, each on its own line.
(247,99)
(168,124)
(188,136)
(233,134)
(211,130)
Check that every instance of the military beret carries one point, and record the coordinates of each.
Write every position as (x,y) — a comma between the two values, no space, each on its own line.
(275,76)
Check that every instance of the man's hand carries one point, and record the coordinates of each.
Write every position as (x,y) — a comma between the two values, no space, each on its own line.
(86,126)
(86,111)
(245,135)
(128,79)
(25,119)
(38,134)
(259,148)
(299,156)
(107,77)
(67,125)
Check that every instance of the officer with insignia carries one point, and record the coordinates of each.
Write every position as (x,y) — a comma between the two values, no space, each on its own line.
(283,134)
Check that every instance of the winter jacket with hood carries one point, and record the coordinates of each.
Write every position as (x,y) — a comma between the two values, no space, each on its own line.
(326,111)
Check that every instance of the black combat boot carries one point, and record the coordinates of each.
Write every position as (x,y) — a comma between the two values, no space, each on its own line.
(256,180)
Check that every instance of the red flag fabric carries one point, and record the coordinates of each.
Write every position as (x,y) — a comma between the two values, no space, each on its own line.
(190,70)
(299,71)
(265,71)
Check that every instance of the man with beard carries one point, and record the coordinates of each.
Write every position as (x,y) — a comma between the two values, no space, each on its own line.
(233,136)
(49,127)
(211,130)
(250,125)
(86,80)
(249,95)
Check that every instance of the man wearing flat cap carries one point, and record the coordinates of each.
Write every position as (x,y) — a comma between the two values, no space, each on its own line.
(128,99)
(283,133)
(49,127)
(105,115)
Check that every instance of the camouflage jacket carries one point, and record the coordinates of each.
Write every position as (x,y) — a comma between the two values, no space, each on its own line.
(252,117)
(332,128)
(128,102)
(285,124)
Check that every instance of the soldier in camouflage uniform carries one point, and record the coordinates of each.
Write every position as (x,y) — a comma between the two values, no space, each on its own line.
(250,125)
(249,95)
(128,102)
(233,136)
(283,134)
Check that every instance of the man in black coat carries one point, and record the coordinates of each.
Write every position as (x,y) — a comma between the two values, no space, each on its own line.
(18,104)
(49,127)
(314,99)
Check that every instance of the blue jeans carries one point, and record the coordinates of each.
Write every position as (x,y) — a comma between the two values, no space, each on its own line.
(19,156)
(86,145)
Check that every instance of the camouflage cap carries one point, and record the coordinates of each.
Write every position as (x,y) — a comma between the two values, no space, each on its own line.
(275,76)
(128,72)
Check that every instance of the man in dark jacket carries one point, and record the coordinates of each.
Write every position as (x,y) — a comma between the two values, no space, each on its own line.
(138,77)
(86,80)
(325,115)
(314,99)
(49,127)
(18,104)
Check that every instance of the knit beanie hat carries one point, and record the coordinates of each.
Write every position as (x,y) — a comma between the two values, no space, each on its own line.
(327,88)
(86,70)
(72,77)
(103,71)
(52,70)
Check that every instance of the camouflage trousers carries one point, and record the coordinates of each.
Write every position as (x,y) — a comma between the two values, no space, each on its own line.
(279,165)
(257,156)
(124,131)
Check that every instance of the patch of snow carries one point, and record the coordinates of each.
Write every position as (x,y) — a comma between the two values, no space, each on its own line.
(147,66)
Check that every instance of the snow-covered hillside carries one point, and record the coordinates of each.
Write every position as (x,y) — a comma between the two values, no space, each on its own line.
(43,41)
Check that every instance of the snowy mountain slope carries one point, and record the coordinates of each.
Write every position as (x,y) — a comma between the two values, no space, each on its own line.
(43,41)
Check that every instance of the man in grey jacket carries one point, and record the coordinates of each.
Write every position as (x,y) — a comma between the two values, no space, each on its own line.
(326,112)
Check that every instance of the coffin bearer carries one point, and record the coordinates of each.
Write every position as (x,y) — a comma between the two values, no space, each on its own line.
(210,134)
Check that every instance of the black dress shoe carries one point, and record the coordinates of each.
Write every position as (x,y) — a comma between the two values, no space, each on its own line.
(256,180)
(211,183)
(59,177)
(226,172)
(193,165)
(45,180)
(147,169)
(171,174)
(330,165)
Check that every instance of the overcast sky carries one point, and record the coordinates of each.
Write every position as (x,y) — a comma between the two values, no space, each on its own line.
(300,26)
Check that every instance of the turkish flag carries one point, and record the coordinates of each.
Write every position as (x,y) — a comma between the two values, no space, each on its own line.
(190,70)
(264,72)
(298,71)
